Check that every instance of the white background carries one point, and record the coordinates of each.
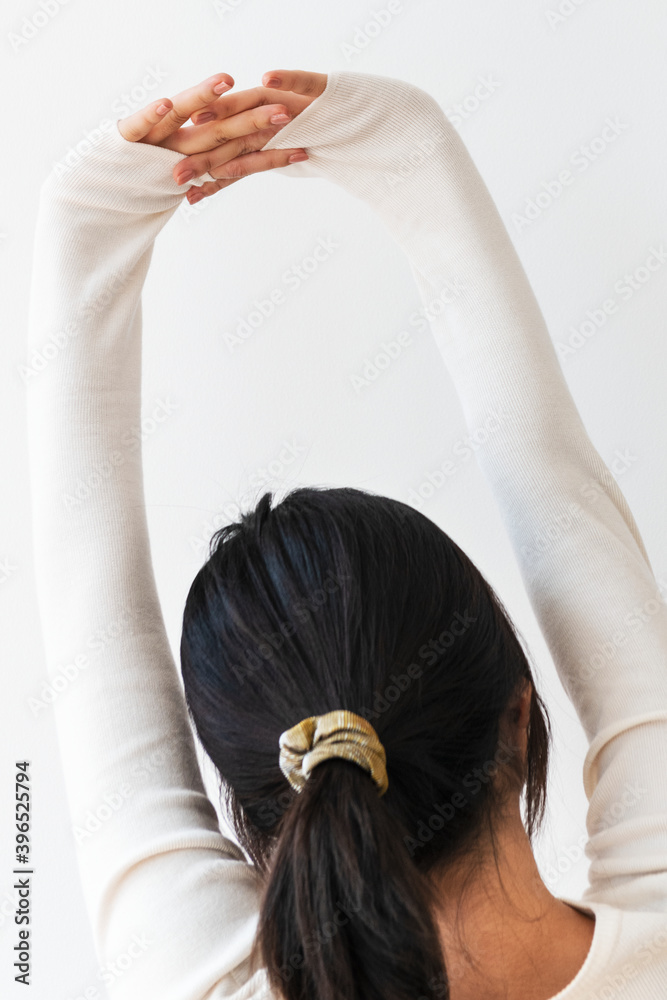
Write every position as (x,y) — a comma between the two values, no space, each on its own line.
(552,82)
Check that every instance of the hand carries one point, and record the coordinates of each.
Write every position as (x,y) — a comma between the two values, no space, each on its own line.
(233,148)
(299,89)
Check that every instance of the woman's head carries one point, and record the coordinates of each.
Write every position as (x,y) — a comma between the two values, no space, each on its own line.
(341,599)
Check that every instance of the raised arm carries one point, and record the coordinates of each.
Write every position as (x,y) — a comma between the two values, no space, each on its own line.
(582,559)
(173,903)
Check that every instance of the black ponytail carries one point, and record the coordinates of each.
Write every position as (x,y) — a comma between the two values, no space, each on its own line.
(341,599)
(345,913)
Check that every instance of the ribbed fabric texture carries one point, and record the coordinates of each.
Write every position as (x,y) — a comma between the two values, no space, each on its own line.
(157,874)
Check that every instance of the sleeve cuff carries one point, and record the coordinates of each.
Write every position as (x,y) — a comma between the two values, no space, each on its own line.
(149,155)
(122,172)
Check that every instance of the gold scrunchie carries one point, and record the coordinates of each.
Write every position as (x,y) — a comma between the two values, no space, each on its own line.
(336,734)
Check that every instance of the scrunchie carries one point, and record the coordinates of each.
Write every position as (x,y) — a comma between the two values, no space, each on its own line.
(335,734)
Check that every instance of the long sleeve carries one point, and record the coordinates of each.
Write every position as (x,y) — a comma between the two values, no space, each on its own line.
(172,902)
(581,556)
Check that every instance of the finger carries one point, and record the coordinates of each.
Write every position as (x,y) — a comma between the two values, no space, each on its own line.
(188,102)
(254,163)
(300,81)
(232,104)
(136,126)
(205,162)
(196,194)
(214,161)
(243,100)
(200,138)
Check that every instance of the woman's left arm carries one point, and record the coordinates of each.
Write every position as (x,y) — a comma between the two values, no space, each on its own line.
(161,883)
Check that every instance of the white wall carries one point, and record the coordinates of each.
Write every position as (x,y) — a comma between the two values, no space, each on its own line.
(553,80)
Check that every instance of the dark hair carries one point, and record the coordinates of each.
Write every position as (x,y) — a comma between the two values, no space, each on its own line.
(339,598)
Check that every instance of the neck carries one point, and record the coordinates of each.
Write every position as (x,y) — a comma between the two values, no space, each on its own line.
(502,931)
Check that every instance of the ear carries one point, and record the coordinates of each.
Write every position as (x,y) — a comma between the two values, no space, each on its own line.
(521,705)
(514,724)
(513,730)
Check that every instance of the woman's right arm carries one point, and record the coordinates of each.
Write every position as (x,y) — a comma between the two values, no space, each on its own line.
(581,555)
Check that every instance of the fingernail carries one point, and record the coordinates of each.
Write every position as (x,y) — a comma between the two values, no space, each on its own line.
(273,81)
(295,157)
(185,176)
(206,117)
(279,119)
(162,109)
(219,87)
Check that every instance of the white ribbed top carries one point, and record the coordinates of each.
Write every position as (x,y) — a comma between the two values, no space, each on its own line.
(159,869)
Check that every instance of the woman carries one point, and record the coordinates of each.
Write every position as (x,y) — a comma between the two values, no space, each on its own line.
(354,678)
